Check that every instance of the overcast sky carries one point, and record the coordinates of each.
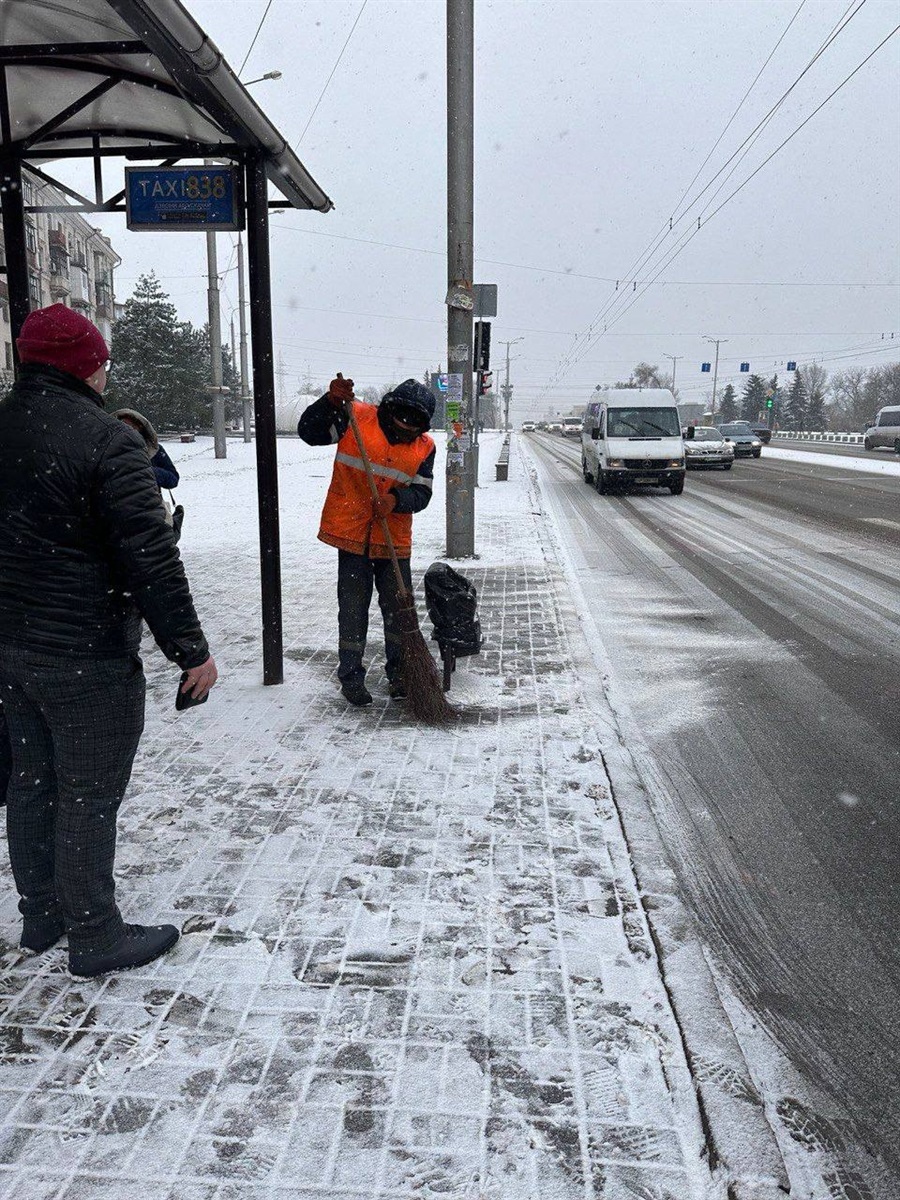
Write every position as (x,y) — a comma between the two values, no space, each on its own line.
(592,118)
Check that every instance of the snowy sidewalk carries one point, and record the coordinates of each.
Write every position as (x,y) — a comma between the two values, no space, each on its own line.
(414,963)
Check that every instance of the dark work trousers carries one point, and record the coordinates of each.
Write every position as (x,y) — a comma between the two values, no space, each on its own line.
(357,574)
(5,757)
(74,727)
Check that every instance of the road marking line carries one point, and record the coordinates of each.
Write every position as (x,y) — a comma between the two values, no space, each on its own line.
(881,521)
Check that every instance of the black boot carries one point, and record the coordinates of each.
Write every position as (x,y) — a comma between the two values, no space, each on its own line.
(356,692)
(139,944)
(40,933)
(397,688)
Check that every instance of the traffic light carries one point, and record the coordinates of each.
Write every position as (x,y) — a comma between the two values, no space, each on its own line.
(482,341)
(486,381)
(770,403)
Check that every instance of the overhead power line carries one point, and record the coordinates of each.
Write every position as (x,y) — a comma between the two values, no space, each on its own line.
(496,262)
(730,120)
(645,259)
(683,244)
(255,36)
(611,319)
(331,75)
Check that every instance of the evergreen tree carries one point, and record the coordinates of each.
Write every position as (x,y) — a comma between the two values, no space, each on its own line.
(816,379)
(158,365)
(795,414)
(753,401)
(728,409)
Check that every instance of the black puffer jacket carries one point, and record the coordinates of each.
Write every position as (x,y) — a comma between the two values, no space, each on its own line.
(85,550)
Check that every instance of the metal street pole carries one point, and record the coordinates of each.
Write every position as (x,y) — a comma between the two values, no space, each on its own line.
(674,358)
(507,390)
(242,325)
(718,342)
(460,231)
(215,347)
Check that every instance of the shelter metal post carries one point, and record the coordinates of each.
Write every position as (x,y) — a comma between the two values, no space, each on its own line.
(264,407)
(13,209)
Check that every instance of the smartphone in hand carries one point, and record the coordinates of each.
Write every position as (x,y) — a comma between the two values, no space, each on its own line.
(185,700)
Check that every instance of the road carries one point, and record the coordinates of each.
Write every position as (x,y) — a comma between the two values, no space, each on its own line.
(753,624)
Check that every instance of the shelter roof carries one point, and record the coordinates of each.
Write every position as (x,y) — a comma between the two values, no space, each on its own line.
(130,77)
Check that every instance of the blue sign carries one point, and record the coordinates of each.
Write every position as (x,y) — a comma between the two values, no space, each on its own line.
(745,366)
(180,198)
(706,366)
(792,365)
(441,381)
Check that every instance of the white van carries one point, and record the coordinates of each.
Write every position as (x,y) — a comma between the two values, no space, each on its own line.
(885,433)
(632,435)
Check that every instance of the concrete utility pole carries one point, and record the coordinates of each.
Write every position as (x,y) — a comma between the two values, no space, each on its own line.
(215,347)
(246,401)
(460,232)
(507,388)
(718,342)
(674,358)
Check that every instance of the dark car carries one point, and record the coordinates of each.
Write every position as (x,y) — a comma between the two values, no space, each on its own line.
(763,432)
(746,443)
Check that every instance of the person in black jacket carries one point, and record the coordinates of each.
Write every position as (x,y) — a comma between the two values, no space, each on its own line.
(85,553)
(164,470)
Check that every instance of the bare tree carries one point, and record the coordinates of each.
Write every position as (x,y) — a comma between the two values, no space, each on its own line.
(849,407)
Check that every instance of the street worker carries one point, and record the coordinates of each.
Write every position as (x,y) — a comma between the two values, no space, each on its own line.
(164,469)
(85,552)
(402,458)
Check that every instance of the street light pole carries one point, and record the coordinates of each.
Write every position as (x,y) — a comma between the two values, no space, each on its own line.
(242,326)
(215,347)
(674,358)
(460,229)
(718,342)
(507,390)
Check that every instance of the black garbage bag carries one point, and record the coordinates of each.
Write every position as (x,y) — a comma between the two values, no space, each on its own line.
(453,607)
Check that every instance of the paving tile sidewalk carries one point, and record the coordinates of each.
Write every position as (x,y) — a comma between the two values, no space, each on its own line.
(414,963)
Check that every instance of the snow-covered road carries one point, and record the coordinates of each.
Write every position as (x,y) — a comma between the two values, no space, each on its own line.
(752,631)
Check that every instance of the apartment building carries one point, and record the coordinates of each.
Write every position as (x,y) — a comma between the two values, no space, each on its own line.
(69,262)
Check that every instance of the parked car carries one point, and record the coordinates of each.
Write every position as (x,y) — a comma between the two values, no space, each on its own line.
(746,443)
(885,430)
(707,448)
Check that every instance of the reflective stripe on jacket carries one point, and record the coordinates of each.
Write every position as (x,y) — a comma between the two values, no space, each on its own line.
(347,520)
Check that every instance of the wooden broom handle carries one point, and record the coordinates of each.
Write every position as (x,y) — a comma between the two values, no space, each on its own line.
(373,487)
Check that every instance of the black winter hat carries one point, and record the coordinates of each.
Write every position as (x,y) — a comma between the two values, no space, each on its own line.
(412,394)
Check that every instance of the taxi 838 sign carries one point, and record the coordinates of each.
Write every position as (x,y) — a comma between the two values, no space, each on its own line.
(179,198)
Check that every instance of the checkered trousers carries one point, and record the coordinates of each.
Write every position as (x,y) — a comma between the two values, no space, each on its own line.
(74,727)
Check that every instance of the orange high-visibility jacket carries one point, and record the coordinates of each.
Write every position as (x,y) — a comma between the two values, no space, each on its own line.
(347,520)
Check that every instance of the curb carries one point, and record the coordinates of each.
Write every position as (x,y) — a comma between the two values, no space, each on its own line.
(742,1148)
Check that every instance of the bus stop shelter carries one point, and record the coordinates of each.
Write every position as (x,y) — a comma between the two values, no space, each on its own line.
(140,80)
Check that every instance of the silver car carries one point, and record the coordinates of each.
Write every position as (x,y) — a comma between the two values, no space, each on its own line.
(885,433)
(707,448)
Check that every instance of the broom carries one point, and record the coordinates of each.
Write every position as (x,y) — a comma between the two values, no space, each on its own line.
(424,686)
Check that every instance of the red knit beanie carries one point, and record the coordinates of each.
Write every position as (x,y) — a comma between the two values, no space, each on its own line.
(60,337)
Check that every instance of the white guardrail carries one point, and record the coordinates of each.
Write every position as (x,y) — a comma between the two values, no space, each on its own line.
(853,439)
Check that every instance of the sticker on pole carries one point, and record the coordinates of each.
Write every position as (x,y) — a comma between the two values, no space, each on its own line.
(184,198)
